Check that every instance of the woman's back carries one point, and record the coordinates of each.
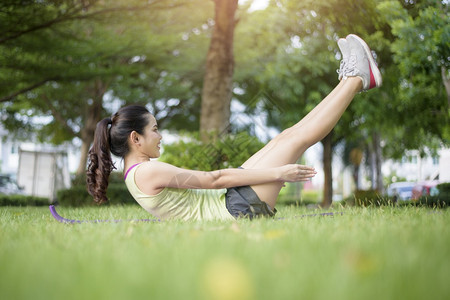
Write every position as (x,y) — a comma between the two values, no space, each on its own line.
(183,204)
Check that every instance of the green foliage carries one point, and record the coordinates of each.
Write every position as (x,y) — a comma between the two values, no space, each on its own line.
(372,198)
(78,195)
(368,198)
(114,177)
(423,36)
(420,53)
(60,58)
(229,151)
(75,196)
(22,200)
(118,194)
(441,200)
(307,197)
(278,73)
(444,187)
(312,196)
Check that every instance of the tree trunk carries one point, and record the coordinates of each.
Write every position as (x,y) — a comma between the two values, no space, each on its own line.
(356,176)
(83,155)
(376,177)
(376,146)
(217,83)
(446,81)
(93,115)
(328,181)
(356,156)
(371,156)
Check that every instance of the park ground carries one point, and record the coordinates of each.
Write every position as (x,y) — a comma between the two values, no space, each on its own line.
(359,253)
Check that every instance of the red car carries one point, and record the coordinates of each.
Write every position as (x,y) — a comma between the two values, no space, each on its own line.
(426,188)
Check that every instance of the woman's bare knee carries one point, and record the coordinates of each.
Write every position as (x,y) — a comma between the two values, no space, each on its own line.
(295,138)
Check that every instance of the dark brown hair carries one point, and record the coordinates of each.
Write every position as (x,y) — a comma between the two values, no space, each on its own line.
(111,136)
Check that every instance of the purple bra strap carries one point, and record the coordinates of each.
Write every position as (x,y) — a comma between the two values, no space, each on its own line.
(129,169)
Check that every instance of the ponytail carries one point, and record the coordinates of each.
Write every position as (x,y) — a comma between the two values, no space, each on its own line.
(100,162)
(111,136)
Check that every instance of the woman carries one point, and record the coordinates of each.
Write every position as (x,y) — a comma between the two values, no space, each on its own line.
(169,192)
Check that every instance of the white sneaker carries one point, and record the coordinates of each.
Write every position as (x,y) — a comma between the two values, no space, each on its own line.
(361,63)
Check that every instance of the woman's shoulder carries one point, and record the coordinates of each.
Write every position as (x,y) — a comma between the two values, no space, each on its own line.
(153,166)
(148,175)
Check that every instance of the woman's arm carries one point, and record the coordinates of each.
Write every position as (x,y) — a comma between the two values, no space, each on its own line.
(153,176)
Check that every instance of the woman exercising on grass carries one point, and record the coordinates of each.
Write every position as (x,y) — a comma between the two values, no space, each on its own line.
(168,192)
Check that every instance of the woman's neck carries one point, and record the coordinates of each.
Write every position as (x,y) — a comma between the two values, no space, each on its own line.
(132,159)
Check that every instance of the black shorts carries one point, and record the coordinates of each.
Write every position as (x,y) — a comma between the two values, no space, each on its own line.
(243,202)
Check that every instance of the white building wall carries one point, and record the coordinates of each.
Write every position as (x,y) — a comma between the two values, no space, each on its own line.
(444,165)
(412,167)
(9,156)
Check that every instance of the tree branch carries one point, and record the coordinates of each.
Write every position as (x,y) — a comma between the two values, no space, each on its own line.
(57,115)
(74,16)
(446,82)
(29,88)
(58,19)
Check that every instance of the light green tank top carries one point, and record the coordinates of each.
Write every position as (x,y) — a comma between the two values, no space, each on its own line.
(182,204)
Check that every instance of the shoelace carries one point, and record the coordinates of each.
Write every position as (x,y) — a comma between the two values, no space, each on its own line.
(349,67)
(341,69)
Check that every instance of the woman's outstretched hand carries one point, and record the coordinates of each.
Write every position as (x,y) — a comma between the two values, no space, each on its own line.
(295,173)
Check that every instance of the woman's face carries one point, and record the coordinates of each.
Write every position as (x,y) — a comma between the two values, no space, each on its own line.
(151,139)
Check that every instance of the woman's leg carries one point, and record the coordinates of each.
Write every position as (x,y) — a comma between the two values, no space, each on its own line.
(360,72)
(288,146)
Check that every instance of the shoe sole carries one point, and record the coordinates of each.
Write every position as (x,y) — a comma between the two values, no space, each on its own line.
(374,71)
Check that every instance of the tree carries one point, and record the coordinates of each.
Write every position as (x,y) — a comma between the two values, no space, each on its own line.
(67,56)
(44,41)
(217,83)
(420,50)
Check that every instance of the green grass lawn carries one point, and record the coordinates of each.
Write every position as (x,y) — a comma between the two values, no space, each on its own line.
(366,253)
